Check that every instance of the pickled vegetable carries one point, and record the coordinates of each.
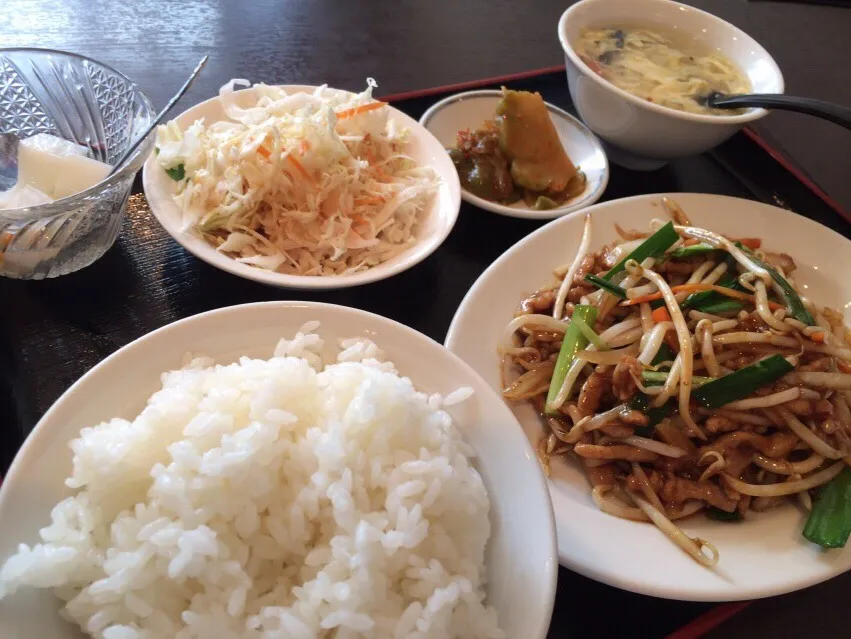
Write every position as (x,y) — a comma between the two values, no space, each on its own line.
(528,138)
(517,156)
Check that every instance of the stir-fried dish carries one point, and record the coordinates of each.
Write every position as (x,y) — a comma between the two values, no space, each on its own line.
(517,156)
(687,373)
(652,66)
(302,183)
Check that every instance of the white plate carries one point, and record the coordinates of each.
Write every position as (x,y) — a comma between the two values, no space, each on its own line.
(468,111)
(436,221)
(521,555)
(763,556)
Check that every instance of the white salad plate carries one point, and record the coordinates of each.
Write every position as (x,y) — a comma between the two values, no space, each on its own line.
(762,556)
(521,555)
(434,226)
(469,110)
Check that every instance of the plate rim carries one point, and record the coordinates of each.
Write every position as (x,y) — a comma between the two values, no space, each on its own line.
(587,569)
(527,213)
(159,202)
(40,432)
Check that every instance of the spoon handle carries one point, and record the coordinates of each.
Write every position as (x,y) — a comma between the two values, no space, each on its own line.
(826,110)
(132,148)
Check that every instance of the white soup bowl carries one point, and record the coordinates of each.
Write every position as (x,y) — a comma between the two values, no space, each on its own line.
(646,135)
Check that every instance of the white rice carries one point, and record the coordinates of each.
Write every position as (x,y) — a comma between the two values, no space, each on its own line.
(272,498)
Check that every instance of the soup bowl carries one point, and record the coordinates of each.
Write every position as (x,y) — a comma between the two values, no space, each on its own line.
(641,134)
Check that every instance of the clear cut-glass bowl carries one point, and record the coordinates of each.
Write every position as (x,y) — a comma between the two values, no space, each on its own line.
(76,98)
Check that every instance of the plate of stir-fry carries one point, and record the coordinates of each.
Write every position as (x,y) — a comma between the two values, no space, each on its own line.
(683,367)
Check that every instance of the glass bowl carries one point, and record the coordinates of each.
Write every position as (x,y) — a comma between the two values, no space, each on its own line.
(79,99)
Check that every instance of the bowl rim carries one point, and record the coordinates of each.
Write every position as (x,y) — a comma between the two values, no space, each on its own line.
(65,204)
(157,199)
(528,213)
(750,116)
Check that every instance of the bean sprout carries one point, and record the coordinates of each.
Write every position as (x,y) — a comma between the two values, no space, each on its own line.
(564,288)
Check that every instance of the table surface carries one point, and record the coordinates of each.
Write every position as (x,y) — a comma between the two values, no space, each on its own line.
(341,43)
(411,44)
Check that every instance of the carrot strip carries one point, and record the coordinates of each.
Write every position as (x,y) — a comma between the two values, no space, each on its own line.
(652,297)
(692,288)
(300,167)
(753,243)
(381,173)
(262,150)
(661,314)
(348,113)
(818,338)
(361,201)
(596,68)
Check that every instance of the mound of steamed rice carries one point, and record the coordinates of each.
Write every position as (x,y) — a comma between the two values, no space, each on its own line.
(272,498)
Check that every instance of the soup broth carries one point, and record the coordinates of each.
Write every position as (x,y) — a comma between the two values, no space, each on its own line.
(660,69)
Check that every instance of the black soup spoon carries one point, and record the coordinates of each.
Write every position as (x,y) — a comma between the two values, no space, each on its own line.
(826,110)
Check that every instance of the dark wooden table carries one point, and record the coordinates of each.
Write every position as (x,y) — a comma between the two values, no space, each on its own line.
(411,44)
(406,44)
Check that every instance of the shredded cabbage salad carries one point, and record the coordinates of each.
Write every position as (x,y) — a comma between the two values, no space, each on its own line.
(300,183)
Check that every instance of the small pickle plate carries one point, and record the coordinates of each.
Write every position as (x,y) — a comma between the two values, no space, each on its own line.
(470,109)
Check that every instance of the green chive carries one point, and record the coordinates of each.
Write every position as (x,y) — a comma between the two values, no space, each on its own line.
(607,286)
(653,246)
(691,251)
(177,173)
(573,342)
(790,296)
(655,414)
(640,402)
(829,524)
(721,306)
(664,354)
(722,515)
(741,383)
(589,333)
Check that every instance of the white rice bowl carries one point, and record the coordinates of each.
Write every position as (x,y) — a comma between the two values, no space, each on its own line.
(272,498)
